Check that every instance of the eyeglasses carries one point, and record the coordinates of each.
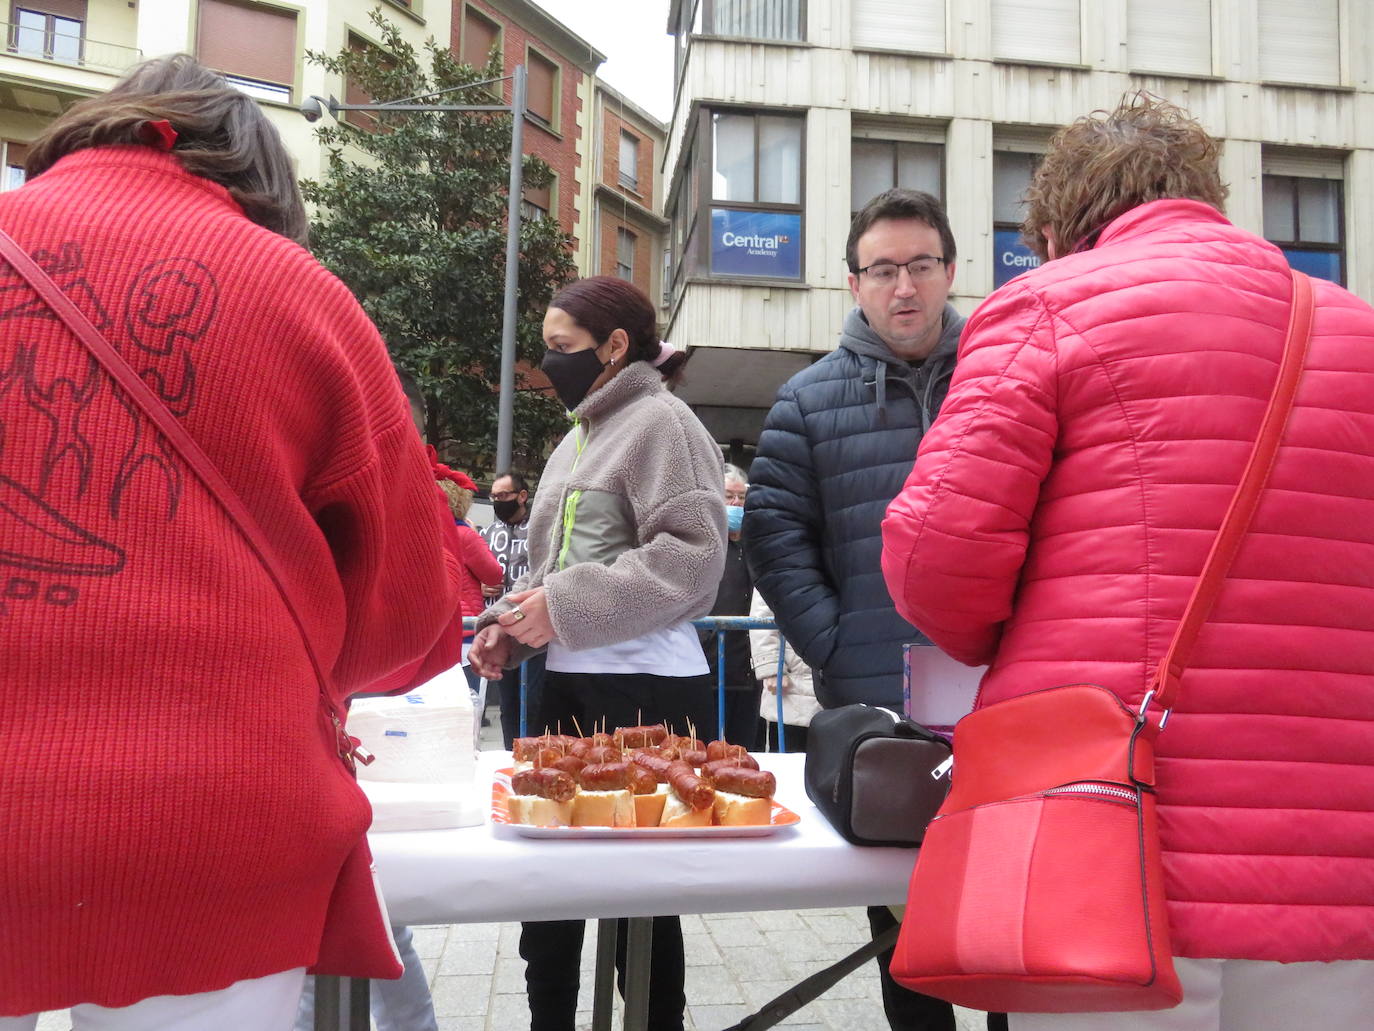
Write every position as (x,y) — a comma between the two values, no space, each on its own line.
(734,495)
(504,495)
(884,273)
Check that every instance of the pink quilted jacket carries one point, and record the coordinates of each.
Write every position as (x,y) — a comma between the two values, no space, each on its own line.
(1061,507)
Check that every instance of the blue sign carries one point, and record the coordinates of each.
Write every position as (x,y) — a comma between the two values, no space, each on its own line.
(1321,264)
(1010,256)
(765,244)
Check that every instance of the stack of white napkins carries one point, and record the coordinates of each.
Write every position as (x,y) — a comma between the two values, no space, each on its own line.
(425,772)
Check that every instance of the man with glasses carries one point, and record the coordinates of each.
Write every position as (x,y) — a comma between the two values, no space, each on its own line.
(510,503)
(835,449)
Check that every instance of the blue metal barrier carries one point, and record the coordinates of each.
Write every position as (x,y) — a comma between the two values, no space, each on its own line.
(722,625)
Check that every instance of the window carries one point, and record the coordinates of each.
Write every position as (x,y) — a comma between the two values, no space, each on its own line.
(480,34)
(1035,30)
(1011,174)
(755,19)
(689,22)
(1172,36)
(1300,42)
(355,94)
(1305,217)
(625,254)
(757,158)
(879,165)
(683,244)
(541,93)
(917,25)
(629,160)
(50,29)
(755,190)
(253,45)
(536,203)
(15,156)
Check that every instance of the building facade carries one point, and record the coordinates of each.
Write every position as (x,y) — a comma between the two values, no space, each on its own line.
(63,50)
(560,74)
(625,194)
(790,114)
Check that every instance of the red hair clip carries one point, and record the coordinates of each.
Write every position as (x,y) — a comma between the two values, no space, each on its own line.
(443,472)
(158,134)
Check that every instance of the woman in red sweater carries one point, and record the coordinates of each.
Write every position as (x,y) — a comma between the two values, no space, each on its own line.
(478,565)
(175,814)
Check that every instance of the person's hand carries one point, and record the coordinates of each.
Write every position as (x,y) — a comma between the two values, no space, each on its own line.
(771,683)
(491,592)
(529,621)
(490,652)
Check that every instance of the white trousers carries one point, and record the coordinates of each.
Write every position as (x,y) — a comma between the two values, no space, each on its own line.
(1240,995)
(262,1004)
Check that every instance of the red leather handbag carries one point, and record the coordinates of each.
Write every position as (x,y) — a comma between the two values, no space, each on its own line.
(1039,888)
(356,937)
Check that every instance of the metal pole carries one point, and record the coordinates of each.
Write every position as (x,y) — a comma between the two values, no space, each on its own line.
(505,412)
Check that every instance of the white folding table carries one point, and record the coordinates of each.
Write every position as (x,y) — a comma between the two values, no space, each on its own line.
(476,875)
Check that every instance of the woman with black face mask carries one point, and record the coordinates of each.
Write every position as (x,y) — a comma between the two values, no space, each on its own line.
(626,547)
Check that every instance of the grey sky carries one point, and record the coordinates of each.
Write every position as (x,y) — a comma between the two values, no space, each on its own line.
(633,36)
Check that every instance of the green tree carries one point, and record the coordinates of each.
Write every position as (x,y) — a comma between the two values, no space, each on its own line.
(411,214)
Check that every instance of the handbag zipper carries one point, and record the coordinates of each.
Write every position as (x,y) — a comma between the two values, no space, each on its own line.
(1089,787)
(352,753)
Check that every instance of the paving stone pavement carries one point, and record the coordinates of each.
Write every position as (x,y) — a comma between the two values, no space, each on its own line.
(729,975)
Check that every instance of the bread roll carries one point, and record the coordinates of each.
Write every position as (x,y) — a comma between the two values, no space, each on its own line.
(649,808)
(741,811)
(603,809)
(677,813)
(539,812)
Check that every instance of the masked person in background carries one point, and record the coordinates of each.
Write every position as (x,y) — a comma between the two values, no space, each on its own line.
(742,689)
(627,542)
(507,539)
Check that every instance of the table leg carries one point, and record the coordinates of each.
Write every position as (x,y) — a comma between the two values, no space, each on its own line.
(330,1012)
(638,949)
(603,987)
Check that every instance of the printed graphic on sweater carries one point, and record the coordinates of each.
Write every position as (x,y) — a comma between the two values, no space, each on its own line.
(170,303)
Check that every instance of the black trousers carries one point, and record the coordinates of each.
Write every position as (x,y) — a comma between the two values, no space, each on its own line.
(509,687)
(795,737)
(743,726)
(552,949)
(907,1010)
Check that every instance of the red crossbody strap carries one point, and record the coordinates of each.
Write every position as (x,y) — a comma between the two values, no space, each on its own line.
(1165,684)
(171,428)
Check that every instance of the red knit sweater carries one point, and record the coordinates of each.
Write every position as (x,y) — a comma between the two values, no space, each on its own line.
(172,813)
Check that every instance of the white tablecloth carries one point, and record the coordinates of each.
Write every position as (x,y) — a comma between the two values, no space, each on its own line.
(472,876)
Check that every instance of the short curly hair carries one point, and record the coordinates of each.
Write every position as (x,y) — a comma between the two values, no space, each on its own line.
(459,498)
(1107,163)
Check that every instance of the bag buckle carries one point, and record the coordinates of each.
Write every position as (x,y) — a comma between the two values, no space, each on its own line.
(1145,704)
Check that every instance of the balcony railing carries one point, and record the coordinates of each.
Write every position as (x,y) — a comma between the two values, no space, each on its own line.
(71,51)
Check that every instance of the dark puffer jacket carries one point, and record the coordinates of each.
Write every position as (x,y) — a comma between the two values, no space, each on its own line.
(835,449)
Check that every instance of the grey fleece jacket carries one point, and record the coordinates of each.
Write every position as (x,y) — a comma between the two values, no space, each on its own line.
(627,533)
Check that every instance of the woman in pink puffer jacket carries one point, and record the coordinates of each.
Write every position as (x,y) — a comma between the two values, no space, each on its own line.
(1059,513)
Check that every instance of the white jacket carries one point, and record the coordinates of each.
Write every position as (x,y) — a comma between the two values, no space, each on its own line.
(798,704)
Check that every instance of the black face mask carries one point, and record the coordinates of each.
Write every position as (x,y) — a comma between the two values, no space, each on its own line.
(572,374)
(505,510)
